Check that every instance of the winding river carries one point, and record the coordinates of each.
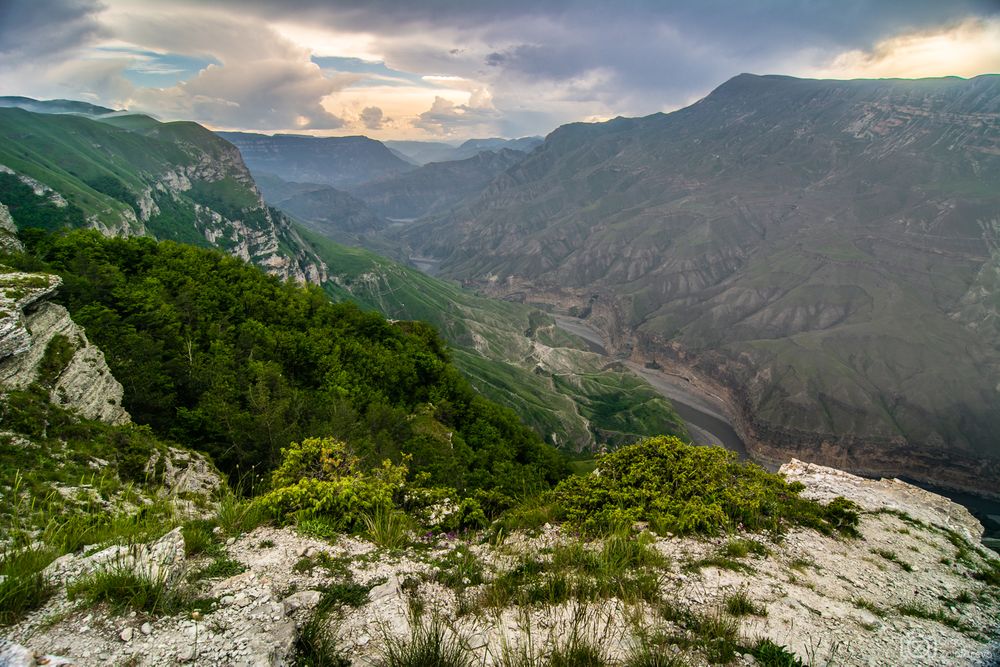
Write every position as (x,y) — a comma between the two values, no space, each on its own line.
(702,414)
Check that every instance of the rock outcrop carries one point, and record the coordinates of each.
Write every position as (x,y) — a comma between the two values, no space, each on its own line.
(8,232)
(910,590)
(29,325)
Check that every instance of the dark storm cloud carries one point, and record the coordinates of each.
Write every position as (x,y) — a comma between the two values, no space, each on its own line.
(747,26)
(46,28)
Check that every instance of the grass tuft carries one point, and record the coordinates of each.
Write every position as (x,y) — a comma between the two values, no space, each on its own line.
(387,528)
(428,646)
(740,604)
(24,588)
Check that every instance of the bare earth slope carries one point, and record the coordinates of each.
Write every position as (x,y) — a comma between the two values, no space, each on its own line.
(827,251)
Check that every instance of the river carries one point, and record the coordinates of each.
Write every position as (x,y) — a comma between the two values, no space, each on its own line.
(702,414)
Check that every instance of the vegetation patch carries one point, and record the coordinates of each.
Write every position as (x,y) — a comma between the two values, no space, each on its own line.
(23,587)
(740,604)
(427,645)
(685,489)
(891,556)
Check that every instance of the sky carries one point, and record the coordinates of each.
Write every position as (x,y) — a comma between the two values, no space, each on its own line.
(448,70)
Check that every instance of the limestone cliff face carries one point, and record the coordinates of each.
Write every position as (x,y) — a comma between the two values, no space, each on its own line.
(28,326)
(8,232)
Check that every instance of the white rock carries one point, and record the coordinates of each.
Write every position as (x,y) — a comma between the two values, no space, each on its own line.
(126,634)
(146,629)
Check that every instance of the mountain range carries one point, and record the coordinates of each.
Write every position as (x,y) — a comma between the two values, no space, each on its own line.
(824,254)
(131,175)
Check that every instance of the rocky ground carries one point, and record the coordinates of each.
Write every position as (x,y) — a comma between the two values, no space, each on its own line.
(905,592)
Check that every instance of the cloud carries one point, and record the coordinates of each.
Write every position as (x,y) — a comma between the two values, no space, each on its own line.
(447,118)
(47,29)
(967,48)
(450,68)
(373,118)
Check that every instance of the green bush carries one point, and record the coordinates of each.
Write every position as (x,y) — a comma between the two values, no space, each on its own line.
(319,478)
(444,509)
(686,489)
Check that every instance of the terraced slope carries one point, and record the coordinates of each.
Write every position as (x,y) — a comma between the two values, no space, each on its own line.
(827,252)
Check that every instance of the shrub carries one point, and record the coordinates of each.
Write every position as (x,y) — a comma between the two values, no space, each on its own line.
(318,477)
(689,489)
(443,508)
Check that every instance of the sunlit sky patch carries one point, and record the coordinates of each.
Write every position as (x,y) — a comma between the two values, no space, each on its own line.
(452,69)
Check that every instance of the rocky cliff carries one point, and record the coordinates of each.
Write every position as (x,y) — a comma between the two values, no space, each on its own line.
(126,177)
(40,343)
(915,588)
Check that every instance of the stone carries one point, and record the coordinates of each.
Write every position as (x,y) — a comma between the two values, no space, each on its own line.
(126,634)
(146,629)
(15,655)
(302,599)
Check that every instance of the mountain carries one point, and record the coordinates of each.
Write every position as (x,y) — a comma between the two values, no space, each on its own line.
(55,106)
(436,186)
(475,146)
(423,152)
(131,175)
(824,254)
(337,161)
(170,180)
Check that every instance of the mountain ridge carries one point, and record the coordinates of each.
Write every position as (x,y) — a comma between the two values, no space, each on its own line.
(784,237)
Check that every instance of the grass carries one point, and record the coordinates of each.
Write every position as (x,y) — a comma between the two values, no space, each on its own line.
(428,646)
(720,562)
(316,643)
(387,528)
(621,567)
(919,610)
(740,604)
(714,633)
(769,654)
(198,538)
(891,556)
(647,654)
(220,568)
(24,587)
(801,564)
(123,588)
(239,515)
(868,605)
(459,568)
(741,548)
(578,652)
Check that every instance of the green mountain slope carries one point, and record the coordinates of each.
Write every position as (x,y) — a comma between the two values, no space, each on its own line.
(825,250)
(513,353)
(171,180)
(216,354)
(130,174)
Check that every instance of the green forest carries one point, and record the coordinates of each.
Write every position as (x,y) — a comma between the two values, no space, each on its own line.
(217,355)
